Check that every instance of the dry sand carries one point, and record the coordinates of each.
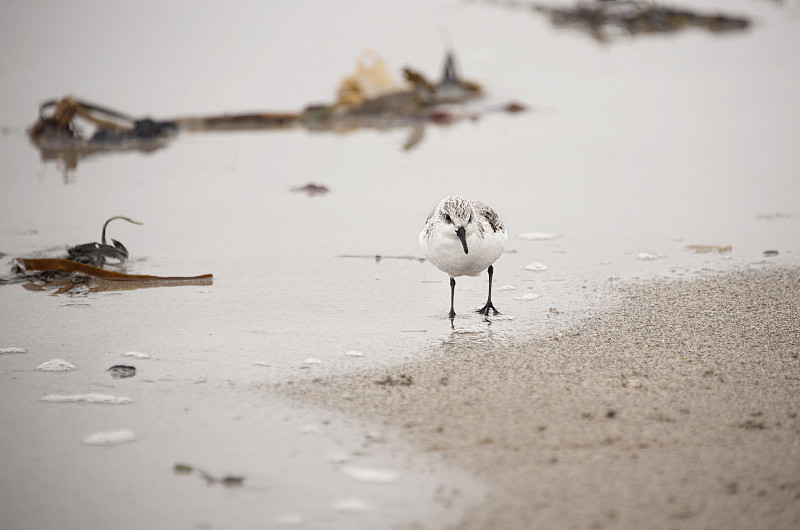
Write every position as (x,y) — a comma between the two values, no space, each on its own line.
(680,408)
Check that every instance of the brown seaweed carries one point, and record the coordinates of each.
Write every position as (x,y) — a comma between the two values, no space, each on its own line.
(38,274)
(58,131)
(63,265)
(226,480)
(705,249)
(368,99)
(311,189)
(83,267)
(604,19)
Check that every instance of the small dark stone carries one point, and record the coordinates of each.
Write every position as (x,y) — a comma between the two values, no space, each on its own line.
(121,371)
(231,480)
(311,189)
(514,106)
(182,469)
(403,380)
(753,425)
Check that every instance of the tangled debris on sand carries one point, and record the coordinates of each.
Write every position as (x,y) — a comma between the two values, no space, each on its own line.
(370,98)
(226,480)
(83,266)
(95,253)
(605,19)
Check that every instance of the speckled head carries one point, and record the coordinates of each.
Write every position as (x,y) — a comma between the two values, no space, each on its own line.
(459,213)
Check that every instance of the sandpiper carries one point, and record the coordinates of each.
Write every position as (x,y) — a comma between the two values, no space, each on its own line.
(462,238)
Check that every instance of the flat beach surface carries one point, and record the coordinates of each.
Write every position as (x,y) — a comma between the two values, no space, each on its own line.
(678,408)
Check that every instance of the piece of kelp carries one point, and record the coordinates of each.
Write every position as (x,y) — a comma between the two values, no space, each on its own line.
(59,131)
(67,275)
(633,17)
(226,480)
(369,98)
(64,265)
(97,253)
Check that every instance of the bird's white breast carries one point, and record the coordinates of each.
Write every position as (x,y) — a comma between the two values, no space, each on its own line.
(443,249)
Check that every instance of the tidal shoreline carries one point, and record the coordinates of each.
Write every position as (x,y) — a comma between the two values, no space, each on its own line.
(680,407)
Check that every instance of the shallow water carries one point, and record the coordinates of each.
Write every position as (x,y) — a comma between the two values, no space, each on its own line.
(637,147)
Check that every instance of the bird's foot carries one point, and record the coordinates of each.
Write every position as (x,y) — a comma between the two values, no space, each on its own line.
(485,309)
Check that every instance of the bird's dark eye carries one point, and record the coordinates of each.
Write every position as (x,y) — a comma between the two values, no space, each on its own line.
(447,218)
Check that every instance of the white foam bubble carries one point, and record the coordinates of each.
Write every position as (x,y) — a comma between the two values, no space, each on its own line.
(351,506)
(528,296)
(355,353)
(290,519)
(110,438)
(56,365)
(506,288)
(12,350)
(311,360)
(309,429)
(536,266)
(647,256)
(136,354)
(86,398)
(371,475)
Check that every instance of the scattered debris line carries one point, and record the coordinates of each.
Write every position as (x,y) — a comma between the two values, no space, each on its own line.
(604,19)
(379,257)
(83,266)
(370,98)
(226,480)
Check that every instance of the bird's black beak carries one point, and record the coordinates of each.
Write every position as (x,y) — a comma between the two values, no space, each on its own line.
(462,235)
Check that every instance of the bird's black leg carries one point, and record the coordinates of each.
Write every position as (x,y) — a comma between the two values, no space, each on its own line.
(489,305)
(452,297)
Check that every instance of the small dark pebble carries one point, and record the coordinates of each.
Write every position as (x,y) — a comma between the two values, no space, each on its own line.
(312,189)
(403,379)
(515,107)
(231,480)
(121,371)
(770,253)
(182,469)
(753,425)
(227,480)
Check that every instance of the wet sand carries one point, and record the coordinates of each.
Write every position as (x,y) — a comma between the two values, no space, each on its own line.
(678,408)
